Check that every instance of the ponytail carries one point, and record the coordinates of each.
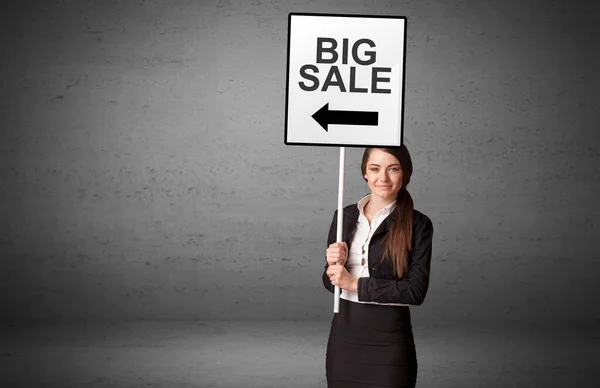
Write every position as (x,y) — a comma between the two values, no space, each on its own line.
(398,241)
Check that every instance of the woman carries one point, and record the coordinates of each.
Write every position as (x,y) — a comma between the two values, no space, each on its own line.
(382,266)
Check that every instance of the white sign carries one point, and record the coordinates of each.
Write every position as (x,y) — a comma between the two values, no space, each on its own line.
(345,80)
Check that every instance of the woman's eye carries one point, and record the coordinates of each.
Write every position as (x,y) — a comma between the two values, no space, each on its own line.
(394,169)
(374,169)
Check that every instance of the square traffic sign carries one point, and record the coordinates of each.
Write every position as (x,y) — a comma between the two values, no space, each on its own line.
(345,80)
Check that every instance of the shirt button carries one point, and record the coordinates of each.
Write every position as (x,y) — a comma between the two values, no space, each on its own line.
(363,261)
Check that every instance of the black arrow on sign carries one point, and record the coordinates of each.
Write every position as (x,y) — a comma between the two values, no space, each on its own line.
(326,117)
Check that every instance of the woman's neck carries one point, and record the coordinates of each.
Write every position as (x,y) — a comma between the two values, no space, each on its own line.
(375,204)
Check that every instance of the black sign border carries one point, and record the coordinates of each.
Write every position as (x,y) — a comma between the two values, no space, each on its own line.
(287,80)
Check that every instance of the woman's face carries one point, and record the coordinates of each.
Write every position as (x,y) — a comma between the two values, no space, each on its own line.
(383,175)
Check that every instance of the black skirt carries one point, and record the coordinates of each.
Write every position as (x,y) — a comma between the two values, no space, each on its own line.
(371,346)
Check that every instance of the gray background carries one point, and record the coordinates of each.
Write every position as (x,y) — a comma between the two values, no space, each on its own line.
(144,176)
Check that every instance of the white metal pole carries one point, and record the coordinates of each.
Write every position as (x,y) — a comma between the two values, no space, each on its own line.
(340,220)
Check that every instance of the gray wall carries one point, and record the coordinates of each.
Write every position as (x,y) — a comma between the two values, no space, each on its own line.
(144,175)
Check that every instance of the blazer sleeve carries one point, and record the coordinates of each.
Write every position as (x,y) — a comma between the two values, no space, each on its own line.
(412,288)
(332,236)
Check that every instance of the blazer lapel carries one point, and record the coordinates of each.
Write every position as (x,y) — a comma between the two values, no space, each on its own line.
(385,226)
(350,218)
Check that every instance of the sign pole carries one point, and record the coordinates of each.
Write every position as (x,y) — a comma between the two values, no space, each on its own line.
(340,220)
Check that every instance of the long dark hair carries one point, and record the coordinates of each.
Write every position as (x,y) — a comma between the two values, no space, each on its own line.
(399,238)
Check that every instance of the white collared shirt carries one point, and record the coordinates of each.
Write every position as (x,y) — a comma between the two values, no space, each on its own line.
(359,247)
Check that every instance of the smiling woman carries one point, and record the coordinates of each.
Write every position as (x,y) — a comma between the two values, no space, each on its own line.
(384,177)
(382,266)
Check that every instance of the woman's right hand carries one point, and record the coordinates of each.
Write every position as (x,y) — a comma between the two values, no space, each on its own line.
(337,253)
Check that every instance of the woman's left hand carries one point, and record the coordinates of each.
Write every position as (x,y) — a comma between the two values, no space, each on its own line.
(339,276)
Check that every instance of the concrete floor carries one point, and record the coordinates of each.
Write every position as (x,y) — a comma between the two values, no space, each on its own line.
(282,354)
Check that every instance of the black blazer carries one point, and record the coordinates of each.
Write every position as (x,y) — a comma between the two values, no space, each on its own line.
(383,285)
